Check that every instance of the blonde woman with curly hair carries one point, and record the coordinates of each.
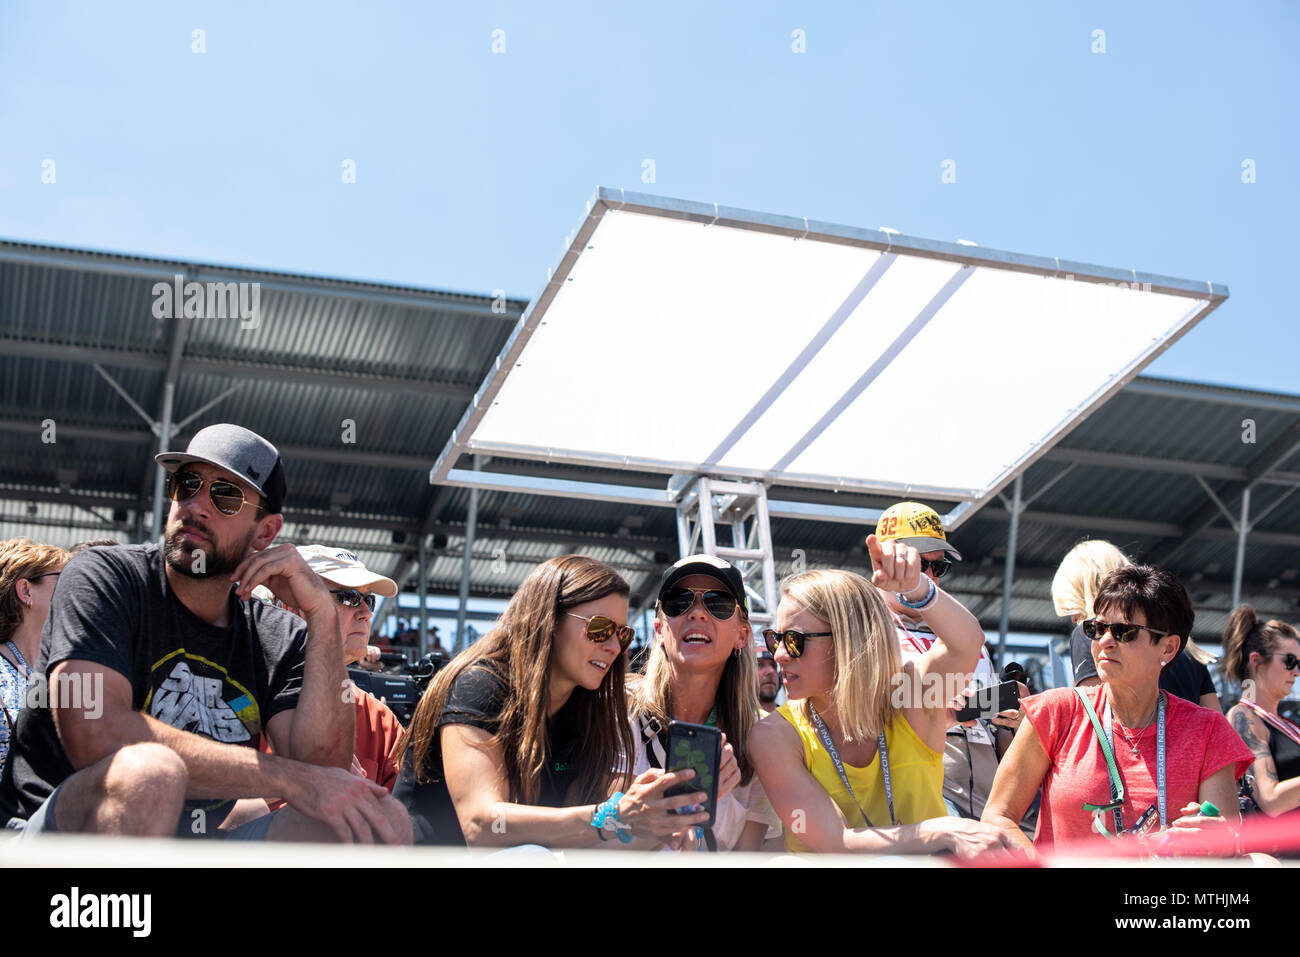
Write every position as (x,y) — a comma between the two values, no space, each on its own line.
(28,572)
(853,762)
(1074,590)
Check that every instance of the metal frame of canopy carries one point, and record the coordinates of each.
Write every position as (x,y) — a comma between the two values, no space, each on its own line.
(737,497)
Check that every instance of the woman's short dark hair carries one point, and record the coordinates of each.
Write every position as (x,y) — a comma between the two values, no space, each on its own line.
(1156,593)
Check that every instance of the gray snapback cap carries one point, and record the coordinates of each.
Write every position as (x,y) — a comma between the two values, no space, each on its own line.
(238,451)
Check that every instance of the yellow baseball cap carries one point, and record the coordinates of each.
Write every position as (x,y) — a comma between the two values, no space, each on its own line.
(917,525)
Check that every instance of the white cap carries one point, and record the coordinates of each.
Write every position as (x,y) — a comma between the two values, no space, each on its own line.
(340,567)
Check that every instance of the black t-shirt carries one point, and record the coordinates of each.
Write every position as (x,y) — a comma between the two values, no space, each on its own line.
(1286,754)
(114,606)
(1185,676)
(477,698)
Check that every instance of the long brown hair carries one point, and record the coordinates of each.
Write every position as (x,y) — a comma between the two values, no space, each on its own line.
(22,558)
(518,650)
(1246,633)
(736,699)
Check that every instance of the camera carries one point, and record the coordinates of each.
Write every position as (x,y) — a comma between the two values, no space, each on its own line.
(400,689)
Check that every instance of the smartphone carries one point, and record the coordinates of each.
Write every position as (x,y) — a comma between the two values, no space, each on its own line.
(699,747)
(987,702)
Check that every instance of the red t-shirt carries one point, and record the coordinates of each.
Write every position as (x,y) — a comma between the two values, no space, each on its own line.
(1198,742)
(378,731)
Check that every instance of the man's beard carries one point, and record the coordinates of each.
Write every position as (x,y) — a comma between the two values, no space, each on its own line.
(765,698)
(216,561)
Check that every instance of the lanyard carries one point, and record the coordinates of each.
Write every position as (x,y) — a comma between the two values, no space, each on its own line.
(1274,721)
(882,748)
(19,655)
(1160,761)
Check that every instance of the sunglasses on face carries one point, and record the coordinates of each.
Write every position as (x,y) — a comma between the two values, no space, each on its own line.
(793,640)
(352,598)
(227,497)
(600,627)
(939,567)
(1289,662)
(1121,631)
(676,602)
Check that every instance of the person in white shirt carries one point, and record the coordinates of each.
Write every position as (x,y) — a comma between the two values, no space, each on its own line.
(701,670)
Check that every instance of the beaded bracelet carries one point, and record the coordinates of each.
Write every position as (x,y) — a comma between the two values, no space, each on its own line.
(606,819)
(931,593)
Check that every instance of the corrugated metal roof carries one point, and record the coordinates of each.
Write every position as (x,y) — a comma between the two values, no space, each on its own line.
(62,309)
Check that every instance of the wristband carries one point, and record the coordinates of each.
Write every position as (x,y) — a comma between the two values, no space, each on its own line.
(606,819)
(931,593)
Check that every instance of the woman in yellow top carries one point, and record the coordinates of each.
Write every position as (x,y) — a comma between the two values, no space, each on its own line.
(819,756)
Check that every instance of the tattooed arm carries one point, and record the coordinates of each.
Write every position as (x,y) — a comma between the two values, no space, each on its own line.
(1273,797)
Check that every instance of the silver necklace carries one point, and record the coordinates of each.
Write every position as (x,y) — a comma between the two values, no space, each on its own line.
(1133,742)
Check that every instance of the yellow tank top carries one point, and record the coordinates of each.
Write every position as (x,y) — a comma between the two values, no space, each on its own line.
(915,772)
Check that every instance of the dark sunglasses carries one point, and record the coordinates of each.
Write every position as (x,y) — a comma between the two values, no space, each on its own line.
(351,598)
(1121,631)
(939,567)
(676,602)
(227,497)
(600,627)
(1289,661)
(793,640)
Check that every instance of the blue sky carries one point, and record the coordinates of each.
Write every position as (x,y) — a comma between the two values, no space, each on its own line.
(471,166)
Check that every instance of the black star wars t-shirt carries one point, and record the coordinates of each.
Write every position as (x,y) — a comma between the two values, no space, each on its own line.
(114,606)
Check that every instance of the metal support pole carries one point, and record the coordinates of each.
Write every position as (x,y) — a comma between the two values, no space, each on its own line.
(471,528)
(164,440)
(1008,573)
(422,559)
(1243,529)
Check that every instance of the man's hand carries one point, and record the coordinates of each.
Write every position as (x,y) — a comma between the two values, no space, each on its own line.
(348,804)
(1011,718)
(896,568)
(283,570)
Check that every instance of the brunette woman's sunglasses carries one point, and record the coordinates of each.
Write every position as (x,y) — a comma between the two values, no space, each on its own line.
(939,567)
(1290,662)
(793,640)
(227,497)
(600,627)
(676,602)
(1122,631)
(352,598)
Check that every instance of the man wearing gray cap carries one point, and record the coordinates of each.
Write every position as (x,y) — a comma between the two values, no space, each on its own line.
(164,676)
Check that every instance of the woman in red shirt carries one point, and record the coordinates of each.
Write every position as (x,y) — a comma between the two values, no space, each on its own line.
(1169,755)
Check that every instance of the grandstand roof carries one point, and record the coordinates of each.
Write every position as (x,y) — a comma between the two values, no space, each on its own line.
(400,366)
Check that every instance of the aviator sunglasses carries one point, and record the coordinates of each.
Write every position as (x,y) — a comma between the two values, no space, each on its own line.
(227,497)
(600,627)
(352,598)
(676,602)
(793,640)
(1122,631)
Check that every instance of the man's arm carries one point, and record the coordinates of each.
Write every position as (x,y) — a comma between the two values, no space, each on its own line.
(215,770)
(322,728)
